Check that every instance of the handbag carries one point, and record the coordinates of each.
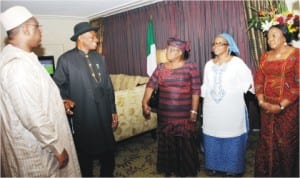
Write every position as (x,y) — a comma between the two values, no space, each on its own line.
(154,99)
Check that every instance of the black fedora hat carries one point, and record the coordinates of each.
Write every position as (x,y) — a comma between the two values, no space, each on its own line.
(81,28)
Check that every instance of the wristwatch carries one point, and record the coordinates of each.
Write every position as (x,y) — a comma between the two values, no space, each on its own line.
(281,107)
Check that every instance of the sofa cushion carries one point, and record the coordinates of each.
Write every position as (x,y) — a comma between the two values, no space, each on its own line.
(129,92)
(141,80)
(115,79)
(128,82)
(131,119)
(125,82)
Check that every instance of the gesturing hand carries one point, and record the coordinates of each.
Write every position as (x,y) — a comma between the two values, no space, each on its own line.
(115,121)
(69,105)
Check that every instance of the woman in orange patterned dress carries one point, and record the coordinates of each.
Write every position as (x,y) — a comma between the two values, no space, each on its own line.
(277,90)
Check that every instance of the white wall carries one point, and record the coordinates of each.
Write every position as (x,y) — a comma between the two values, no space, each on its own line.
(56,33)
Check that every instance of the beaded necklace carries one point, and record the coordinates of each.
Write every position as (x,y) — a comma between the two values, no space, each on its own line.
(96,76)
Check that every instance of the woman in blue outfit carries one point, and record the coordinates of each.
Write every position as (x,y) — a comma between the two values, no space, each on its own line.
(225,121)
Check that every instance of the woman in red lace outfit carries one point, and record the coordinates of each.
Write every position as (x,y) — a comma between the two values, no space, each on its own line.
(277,90)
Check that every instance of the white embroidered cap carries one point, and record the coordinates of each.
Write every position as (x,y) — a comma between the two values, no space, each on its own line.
(14,17)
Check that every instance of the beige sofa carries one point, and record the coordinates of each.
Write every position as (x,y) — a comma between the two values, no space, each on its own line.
(129,92)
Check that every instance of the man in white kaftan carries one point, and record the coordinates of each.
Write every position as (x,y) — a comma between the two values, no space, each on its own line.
(36,140)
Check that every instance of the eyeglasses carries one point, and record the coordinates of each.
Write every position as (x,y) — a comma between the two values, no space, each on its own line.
(35,25)
(172,49)
(219,44)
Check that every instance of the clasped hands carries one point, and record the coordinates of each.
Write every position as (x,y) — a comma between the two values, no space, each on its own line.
(270,108)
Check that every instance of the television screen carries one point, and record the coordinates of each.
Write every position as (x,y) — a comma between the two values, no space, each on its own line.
(48,63)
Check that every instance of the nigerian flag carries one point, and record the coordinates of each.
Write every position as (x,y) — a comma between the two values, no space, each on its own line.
(151,49)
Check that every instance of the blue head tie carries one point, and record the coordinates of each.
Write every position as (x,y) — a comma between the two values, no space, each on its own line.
(231,43)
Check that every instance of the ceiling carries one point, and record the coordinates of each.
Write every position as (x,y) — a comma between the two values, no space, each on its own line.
(88,9)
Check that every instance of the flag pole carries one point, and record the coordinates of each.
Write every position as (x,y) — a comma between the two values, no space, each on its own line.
(150,48)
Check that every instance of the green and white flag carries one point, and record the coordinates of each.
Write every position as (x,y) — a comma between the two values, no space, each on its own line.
(151,49)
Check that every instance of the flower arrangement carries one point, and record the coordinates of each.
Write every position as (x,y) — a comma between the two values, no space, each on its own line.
(265,19)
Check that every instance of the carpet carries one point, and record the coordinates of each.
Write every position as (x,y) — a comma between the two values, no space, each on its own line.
(136,157)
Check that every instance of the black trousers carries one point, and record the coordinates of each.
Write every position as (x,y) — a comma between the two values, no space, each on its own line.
(106,160)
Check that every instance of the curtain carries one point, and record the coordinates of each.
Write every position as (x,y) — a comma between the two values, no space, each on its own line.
(257,39)
(99,23)
(124,36)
